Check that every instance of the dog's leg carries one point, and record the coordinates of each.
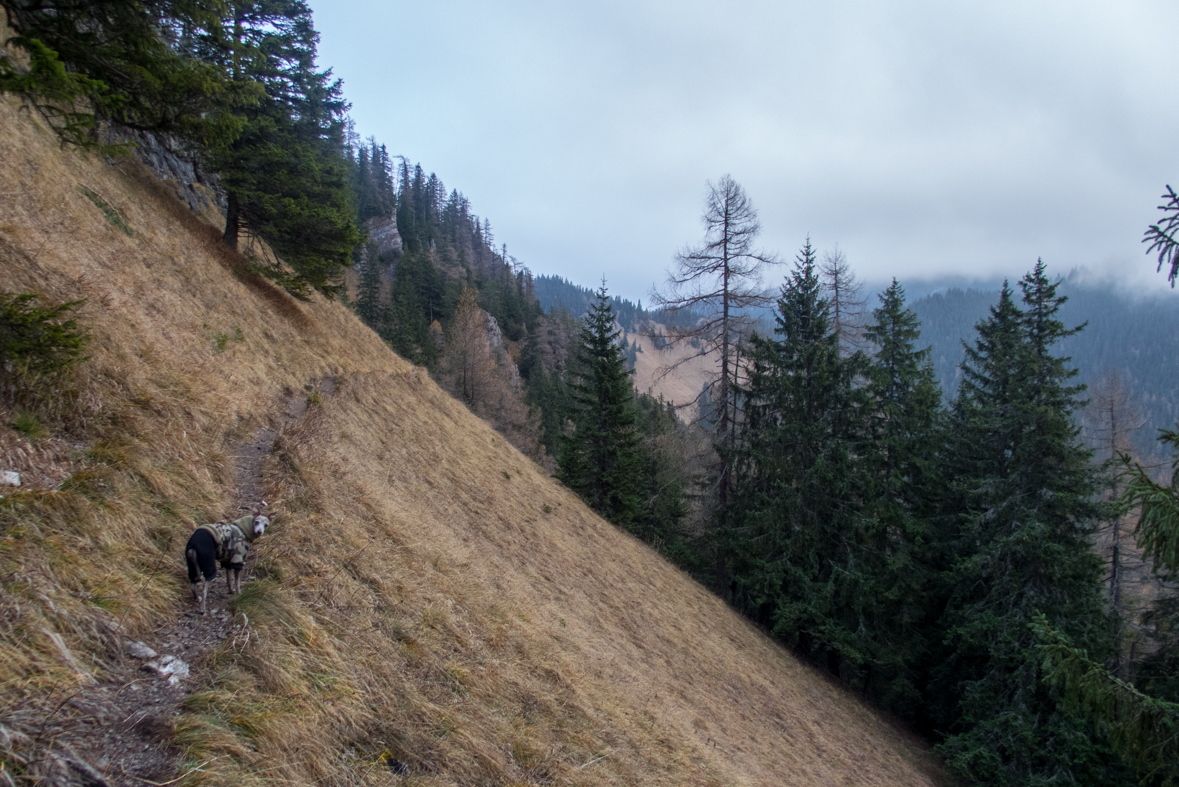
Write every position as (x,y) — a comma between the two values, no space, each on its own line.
(228,580)
(194,571)
(237,580)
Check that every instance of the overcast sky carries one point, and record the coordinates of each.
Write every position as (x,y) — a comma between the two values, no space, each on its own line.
(922,138)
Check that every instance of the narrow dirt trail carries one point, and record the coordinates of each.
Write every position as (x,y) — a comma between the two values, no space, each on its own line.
(119,732)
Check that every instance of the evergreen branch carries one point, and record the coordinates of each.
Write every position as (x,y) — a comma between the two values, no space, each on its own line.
(1157,532)
(1142,729)
(1162,238)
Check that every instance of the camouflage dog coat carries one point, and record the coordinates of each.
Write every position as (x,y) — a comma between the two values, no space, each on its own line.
(232,540)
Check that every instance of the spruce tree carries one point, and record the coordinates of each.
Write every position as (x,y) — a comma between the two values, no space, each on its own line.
(126,62)
(546,390)
(797,535)
(368,296)
(902,479)
(600,459)
(285,175)
(1142,716)
(663,483)
(1020,550)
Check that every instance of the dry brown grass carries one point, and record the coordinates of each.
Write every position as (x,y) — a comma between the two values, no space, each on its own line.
(427,594)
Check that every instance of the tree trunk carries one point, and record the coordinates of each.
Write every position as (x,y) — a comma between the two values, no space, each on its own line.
(232,221)
(724,428)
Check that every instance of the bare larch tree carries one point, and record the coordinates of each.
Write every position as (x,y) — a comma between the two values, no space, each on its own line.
(717,282)
(848,305)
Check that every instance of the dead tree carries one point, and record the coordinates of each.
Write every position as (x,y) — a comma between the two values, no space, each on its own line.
(1110,417)
(708,295)
(848,304)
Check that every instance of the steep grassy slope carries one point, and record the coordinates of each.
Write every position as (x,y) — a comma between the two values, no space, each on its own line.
(657,373)
(426,594)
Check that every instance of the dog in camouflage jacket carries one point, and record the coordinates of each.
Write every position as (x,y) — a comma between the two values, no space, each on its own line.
(225,543)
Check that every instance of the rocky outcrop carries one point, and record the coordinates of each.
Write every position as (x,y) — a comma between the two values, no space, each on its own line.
(383,232)
(495,341)
(166,157)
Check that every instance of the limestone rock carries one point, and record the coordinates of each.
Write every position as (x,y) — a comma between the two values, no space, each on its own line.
(383,232)
(140,651)
(169,667)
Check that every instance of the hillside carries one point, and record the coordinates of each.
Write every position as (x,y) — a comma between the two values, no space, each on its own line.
(426,595)
(657,372)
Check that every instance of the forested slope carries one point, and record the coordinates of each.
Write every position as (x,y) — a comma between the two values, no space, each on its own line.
(426,593)
(1135,338)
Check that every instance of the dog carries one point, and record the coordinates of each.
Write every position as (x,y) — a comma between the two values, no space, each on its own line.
(225,543)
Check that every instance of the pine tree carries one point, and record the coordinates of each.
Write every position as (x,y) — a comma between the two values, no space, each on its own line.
(600,459)
(415,302)
(467,360)
(125,62)
(1021,550)
(1143,716)
(546,390)
(721,279)
(1164,236)
(663,482)
(843,292)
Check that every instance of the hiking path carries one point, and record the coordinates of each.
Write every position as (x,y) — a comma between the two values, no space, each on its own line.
(119,731)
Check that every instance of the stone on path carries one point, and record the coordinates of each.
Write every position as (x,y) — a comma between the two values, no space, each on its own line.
(140,651)
(172,668)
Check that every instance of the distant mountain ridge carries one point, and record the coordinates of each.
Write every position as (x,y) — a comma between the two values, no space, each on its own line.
(557,292)
(560,293)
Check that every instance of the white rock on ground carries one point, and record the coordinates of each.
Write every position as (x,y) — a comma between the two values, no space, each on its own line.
(9,478)
(140,651)
(170,667)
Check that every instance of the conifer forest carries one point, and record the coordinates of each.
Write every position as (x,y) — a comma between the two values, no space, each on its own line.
(971,539)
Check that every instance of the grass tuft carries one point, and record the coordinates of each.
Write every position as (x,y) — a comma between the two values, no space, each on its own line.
(114,216)
(28,424)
